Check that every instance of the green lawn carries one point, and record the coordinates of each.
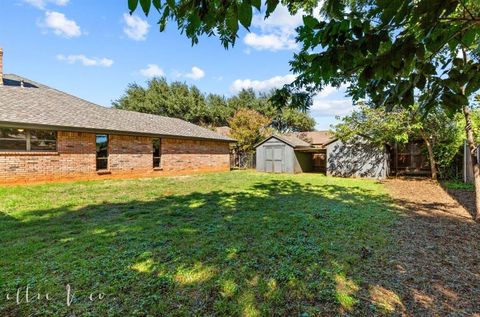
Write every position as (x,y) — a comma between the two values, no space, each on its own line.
(238,243)
(458,185)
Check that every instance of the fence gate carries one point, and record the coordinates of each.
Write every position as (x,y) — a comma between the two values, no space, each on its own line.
(242,160)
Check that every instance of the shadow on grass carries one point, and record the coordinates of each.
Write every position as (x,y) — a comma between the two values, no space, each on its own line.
(275,248)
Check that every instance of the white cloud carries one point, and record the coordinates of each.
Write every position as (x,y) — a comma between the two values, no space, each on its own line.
(277,32)
(41,4)
(61,25)
(331,101)
(280,18)
(135,27)
(272,42)
(336,107)
(152,70)
(196,73)
(327,103)
(261,85)
(328,90)
(325,107)
(85,61)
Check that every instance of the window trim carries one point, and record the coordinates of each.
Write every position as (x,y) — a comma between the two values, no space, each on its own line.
(107,158)
(28,142)
(159,157)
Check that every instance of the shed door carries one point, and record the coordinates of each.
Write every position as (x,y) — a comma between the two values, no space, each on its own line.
(274,159)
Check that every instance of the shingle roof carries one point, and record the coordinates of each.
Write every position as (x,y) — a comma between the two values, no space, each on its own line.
(293,140)
(289,139)
(37,104)
(225,131)
(315,137)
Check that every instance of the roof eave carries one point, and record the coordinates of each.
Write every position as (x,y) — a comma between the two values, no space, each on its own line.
(24,125)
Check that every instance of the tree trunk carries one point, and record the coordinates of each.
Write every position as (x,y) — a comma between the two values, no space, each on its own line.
(474,159)
(433,164)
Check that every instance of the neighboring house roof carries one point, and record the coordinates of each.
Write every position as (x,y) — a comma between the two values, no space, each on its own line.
(30,104)
(291,140)
(316,137)
(225,131)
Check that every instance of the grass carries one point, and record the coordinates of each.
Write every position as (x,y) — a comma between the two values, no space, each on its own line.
(238,243)
(458,185)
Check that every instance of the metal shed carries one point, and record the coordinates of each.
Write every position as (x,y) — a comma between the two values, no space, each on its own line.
(283,154)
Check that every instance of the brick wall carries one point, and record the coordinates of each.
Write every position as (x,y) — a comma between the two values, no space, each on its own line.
(130,156)
(75,158)
(193,155)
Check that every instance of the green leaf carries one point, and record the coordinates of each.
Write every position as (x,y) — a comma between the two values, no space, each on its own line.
(132,5)
(164,19)
(344,26)
(357,31)
(469,36)
(472,86)
(389,9)
(310,21)
(271,6)
(195,21)
(422,81)
(408,98)
(458,62)
(232,21)
(245,14)
(429,69)
(146,6)
(452,84)
(157,4)
(257,4)
(455,100)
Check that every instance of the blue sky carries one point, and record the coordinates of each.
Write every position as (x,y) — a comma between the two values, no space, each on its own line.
(93,49)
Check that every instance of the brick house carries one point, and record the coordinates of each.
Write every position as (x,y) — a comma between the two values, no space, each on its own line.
(49,135)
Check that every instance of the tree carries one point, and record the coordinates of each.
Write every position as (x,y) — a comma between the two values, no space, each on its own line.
(375,125)
(397,53)
(390,52)
(218,109)
(284,119)
(292,120)
(442,135)
(179,100)
(161,98)
(248,127)
(213,17)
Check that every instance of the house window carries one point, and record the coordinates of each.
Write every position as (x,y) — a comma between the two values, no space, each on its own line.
(43,141)
(102,151)
(157,153)
(20,140)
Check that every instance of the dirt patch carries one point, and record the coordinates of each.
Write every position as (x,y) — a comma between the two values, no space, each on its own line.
(435,267)
(464,197)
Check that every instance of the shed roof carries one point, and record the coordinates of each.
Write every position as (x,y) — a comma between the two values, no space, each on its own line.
(291,140)
(27,103)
